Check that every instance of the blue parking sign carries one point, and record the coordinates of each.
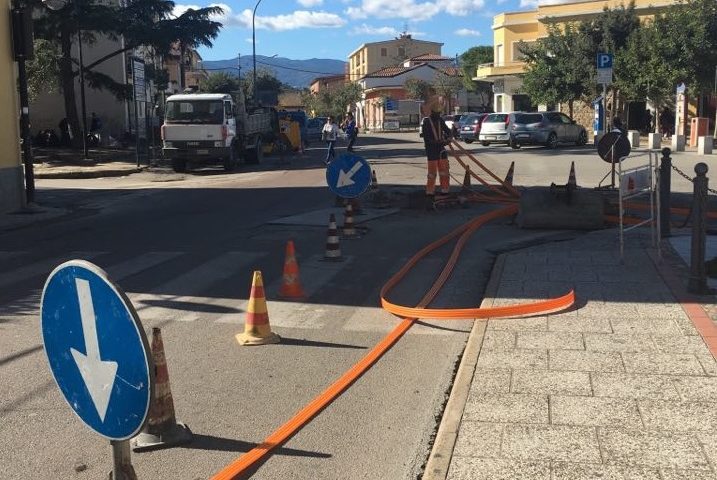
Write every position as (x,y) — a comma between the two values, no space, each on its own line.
(604,60)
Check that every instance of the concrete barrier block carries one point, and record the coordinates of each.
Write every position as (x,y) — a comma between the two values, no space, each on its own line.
(634,137)
(678,143)
(539,208)
(704,145)
(654,141)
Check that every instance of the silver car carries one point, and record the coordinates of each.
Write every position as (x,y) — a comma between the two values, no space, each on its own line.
(494,128)
(545,128)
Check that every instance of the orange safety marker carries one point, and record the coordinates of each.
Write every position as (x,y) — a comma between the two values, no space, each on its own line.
(290,428)
(349,230)
(291,283)
(161,429)
(333,249)
(509,176)
(257,330)
(456,150)
(571,179)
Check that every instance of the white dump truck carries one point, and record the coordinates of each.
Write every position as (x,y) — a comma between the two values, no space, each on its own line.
(207,128)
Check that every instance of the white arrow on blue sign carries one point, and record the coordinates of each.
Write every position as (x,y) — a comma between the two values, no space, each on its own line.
(97,349)
(348,176)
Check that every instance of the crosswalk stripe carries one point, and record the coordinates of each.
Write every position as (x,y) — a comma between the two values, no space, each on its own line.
(315,274)
(187,287)
(139,264)
(42,267)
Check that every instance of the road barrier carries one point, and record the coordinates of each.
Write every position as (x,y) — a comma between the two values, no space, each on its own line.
(333,249)
(162,429)
(697,282)
(291,288)
(257,330)
(374,180)
(249,460)
(349,229)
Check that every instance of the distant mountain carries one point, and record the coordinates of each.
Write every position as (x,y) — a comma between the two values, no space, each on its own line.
(296,73)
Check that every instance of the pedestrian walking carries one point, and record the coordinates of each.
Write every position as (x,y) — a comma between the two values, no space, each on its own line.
(329,134)
(436,135)
(349,127)
(667,121)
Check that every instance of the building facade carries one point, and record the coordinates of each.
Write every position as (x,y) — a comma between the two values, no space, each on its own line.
(512,28)
(11,171)
(371,57)
(329,82)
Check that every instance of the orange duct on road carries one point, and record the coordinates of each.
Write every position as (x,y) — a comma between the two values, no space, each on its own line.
(250,460)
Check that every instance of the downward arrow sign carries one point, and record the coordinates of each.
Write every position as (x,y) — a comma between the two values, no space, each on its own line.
(99,376)
(345,179)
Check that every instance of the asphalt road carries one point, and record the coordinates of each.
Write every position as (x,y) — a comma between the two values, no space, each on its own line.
(184,247)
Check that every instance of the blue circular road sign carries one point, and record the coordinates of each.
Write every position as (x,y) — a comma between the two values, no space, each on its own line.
(97,349)
(348,176)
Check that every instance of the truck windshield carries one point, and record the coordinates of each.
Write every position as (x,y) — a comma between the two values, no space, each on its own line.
(195,111)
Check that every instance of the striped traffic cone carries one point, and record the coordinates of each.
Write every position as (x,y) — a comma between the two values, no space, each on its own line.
(571,179)
(509,176)
(333,250)
(257,330)
(374,180)
(161,429)
(291,283)
(467,180)
(349,230)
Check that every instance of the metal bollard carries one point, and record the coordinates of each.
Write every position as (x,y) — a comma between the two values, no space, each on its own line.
(698,275)
(665,182)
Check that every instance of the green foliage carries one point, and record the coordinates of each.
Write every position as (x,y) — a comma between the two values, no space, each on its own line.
(447,86)
(610,31)
(417,89)
(220,82)
(557,68)
(333,101)
(470,59)
(43,70)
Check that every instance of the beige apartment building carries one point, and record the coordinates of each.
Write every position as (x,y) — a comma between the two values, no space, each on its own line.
(11,172)
(511,28)
(371,57)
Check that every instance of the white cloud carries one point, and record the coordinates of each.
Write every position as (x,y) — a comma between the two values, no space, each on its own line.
(364,29)
(292,21)
(413,9)
(467,32)
(310,3)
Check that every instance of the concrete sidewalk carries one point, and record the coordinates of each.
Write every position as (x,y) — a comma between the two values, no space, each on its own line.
(623,386)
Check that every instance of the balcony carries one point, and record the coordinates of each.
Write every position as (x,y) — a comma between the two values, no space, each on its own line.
(487,70)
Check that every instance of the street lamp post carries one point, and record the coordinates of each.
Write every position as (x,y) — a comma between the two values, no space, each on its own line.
(253,45)
(59,5)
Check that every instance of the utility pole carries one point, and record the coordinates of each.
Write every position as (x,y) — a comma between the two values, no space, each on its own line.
(239,64)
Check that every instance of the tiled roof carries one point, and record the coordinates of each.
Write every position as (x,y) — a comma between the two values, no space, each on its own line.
(389,71)
(429,57)
(452,71)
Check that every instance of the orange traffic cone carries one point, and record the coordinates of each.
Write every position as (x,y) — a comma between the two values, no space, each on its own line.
(333,249)
(571,179)
(291,283)
(374,180)
(257,330)
(161,429)
(509,176)
(349,230)
(467,179)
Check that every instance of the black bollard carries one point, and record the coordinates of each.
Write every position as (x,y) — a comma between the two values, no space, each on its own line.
(698,273)
(665,185)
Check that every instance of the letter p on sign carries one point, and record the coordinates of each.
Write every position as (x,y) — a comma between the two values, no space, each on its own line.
(604,60)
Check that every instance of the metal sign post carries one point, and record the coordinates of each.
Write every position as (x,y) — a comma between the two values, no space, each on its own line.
(98,355)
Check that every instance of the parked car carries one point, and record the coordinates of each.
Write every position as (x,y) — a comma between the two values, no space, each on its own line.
(545,128)
(469,126)
(494,128)
(313,129)
(452,123)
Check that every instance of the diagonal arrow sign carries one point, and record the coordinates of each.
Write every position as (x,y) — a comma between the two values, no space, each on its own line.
(345,177)
(99,375)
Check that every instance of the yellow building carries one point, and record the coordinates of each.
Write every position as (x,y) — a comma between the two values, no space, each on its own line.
(11,172)
(510,28)
(371,57)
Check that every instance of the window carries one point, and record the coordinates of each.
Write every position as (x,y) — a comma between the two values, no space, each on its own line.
(402,52)
(498,60)
(384,52)
(518,56)
(565,119)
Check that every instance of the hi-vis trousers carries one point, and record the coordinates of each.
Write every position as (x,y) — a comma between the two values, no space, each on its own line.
(439,167)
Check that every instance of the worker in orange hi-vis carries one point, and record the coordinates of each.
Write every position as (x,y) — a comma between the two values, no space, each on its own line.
(436,135)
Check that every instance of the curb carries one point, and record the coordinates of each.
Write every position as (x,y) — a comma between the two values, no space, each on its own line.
(439,460)
(89,173)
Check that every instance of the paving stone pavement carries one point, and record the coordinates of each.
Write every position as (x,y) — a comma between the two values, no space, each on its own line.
(621,387)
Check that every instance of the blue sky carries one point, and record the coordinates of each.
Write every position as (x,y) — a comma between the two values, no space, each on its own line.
(301,29)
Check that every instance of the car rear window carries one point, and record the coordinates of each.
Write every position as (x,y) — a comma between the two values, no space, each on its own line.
(469,119)
(528,118)
(496,118)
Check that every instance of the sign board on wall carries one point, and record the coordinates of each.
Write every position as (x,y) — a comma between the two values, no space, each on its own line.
(391,125)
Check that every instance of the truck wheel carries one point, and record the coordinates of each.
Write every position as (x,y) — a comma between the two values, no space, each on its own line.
(485,144)
(179,165)
(468,140)
(230,162)
(255,155)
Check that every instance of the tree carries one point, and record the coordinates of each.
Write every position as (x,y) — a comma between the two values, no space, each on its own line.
(266,83)
(447,86)
(141,23)
(43,70)
(557,69)
(333,101)
(220,82)
(417,89)
(470,59)
(610,31)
